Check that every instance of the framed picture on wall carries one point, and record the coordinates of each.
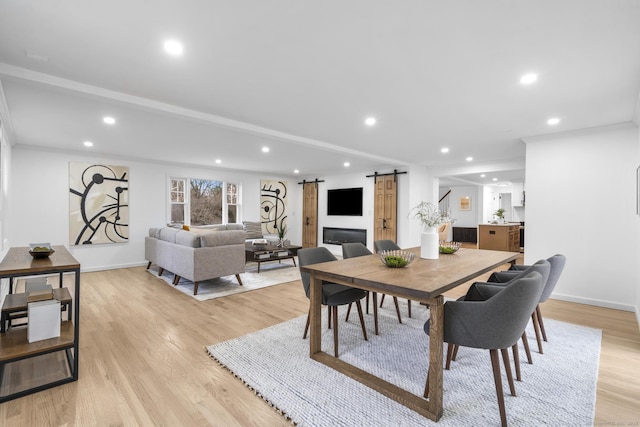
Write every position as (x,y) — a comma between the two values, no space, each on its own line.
(465,203)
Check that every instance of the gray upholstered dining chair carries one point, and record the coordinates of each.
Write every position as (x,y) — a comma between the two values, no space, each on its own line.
(333,294)
(494,324)
(352,250)
(556,263)
(478,292)
(390,245)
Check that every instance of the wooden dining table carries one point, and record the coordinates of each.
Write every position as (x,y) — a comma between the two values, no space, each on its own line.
(424,281)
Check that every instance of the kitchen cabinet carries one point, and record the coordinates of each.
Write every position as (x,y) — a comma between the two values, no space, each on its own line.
(517,194)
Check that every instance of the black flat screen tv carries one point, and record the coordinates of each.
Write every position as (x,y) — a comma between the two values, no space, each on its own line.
(344,201)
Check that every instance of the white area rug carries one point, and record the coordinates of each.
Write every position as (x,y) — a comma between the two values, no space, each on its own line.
(271,273)
(557,390)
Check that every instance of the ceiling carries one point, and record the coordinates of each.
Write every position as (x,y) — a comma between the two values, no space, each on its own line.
(301,77)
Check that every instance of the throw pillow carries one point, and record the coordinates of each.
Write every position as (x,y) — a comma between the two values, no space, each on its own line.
(253,229)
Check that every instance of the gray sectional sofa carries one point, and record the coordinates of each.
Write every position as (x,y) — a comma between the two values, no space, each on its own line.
(199,254)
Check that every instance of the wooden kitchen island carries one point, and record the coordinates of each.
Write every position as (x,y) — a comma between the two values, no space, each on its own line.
(499,237)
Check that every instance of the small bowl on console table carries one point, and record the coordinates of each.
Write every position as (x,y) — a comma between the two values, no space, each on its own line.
(40,250)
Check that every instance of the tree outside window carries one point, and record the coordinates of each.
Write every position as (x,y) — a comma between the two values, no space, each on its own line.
(204,203)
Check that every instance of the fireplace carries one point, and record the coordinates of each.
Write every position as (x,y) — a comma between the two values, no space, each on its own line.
(338,236)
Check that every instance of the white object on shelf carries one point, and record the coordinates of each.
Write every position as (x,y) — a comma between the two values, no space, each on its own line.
(44,320)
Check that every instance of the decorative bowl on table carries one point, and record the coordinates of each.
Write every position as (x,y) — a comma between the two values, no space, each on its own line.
(396,258)
(40,250)
(449,247)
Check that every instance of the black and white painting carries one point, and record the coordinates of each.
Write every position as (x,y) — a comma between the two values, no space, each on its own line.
(98,203)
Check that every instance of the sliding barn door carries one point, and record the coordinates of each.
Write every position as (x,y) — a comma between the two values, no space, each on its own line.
(310,215)
(385,208)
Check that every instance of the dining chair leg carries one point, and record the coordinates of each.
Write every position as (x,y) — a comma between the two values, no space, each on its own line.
(516,361)
(375,311)
(409,307)
(364,330)
(544,333)
(395,301)
(525,342)
(382,300)
(536,328)
(306,328)
(455,352)
(367,303)
(335,329)
(346,319)
(507,368)
(495,363)
(328,317)
(450,348)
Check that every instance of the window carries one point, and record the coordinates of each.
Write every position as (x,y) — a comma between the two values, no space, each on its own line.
(178,201)
(201,202)
(232,203)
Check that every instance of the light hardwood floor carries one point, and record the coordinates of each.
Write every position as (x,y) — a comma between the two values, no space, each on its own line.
(143,359)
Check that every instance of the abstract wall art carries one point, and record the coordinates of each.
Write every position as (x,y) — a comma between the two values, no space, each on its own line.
(273,205)
(98,203)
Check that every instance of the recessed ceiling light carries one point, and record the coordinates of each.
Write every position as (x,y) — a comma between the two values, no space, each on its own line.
(495,179)
(296,171)
(88,144)
(218,161)
(109,120)
(482,175)
(529,78)
(553,121)
(265,149)
(173,47)
(444,150)
(370,121)
(347,164)
(469,159)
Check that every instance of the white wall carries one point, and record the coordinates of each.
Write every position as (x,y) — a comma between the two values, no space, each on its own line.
(581,196)
(39,203)
(366,220)
(466,218)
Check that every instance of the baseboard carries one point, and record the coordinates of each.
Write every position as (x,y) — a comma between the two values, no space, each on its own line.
(597,303)
(114,267)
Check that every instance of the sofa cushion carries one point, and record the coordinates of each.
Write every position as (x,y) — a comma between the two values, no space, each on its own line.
(168,234)
(154,232)
(220,238)
(253,229)
(187,238)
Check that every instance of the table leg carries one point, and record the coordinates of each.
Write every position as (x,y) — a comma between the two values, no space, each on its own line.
(3,327)
(436,336)
(315,315)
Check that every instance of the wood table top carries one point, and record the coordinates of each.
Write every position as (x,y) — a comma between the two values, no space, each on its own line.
(19,261)
(422,279)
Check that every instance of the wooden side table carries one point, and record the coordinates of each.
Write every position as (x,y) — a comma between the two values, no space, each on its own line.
(14,345)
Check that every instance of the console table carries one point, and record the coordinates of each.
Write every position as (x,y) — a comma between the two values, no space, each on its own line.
(14,345)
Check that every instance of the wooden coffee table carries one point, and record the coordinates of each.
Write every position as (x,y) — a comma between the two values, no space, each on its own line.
(266,253)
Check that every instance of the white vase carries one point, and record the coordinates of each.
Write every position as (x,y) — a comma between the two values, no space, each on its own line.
(429,243)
